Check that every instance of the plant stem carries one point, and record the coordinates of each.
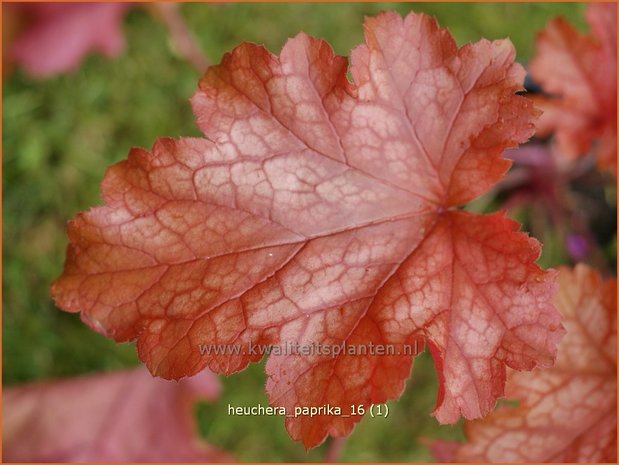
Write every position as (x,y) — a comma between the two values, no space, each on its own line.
(182,38)
(334,452)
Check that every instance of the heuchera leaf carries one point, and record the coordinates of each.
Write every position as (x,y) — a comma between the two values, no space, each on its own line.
(56,37)
(567,413)
(125,416)
(580,72)
(321,211)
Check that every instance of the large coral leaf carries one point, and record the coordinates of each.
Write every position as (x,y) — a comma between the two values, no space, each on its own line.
(580,71)
(567,413)
(323,212)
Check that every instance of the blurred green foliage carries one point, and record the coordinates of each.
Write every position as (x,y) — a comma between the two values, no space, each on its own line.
(59,136)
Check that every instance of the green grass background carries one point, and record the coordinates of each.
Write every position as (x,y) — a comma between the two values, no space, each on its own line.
(59,135)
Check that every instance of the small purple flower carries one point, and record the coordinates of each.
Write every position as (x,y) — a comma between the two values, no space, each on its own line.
(577,246)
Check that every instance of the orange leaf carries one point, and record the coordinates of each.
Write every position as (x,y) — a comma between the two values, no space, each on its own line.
(321,212)
(567,413)
(580,71)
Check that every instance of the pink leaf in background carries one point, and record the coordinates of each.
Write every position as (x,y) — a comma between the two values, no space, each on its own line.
(324,212)
(580,72)
(126,416)
(56,37)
